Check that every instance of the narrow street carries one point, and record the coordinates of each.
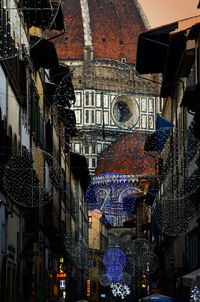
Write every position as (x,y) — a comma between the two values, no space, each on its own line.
(99,151)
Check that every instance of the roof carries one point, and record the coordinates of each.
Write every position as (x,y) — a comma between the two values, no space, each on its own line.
(114,25)
(126,156)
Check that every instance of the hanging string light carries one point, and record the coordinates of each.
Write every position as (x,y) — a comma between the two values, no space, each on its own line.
(31,177)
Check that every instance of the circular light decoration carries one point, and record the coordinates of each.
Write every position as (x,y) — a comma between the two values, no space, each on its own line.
(111,197)
(139,253)
(31,177)
(114,257)
(90,81)
(114,273)
(105,281)
(41,14)
(175,217)
(178,176)
(76,241)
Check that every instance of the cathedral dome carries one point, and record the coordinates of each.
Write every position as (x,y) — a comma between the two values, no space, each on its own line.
(108,29)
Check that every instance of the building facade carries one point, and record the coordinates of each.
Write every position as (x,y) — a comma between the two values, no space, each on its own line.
(178,246)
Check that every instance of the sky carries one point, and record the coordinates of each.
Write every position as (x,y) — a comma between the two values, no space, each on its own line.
(160,12)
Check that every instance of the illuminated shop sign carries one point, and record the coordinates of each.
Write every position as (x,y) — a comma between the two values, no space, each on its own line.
(62,284)
(88,288)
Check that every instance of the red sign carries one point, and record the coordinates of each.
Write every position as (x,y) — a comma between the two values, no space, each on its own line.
(61,275)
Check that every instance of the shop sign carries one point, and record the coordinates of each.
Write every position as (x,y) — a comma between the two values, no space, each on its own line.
(62,284)
(88,288)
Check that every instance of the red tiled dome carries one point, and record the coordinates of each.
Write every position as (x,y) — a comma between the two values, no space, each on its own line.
(126,156)
(115,26)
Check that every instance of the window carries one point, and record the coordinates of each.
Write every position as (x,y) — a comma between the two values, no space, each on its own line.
(123,60)
(99,148)
(92,116)
(94,163)
(78,116)
(92,98)
(93,149)
(87,98)
(86,149)
(87,116)
(77,148)
(90,222)
(92,262)
(98,117)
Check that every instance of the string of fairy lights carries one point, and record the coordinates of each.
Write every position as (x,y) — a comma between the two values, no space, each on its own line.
(110,196)
(11,49)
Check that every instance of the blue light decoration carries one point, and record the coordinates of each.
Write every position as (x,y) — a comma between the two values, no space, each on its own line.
(112,197)
(114,273)
(114,257)
(114,260)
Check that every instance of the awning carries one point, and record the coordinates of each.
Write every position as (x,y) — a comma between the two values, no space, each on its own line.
(156,141)
(190,279)
(158,297)
(44,54)
(152,49)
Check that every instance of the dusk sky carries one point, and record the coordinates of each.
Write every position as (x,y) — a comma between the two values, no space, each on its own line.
(160,12)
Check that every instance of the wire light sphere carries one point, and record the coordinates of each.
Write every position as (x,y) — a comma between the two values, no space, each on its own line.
(76,241)
(114,273)
(114,257)
(175,217)
(105,281)
(111,196)
(178,175)
(93,76)
(140,256)
(42,15)
(26,174)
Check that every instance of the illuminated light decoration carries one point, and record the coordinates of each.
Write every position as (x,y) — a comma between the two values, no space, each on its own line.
(178,173)
(175,217)
(24,179)
(34,14)
(114,273)
(111,197)
(120,290)
(76,242)
(144,281)
(139,253)
(114,257)
(195,294)
(104,281)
